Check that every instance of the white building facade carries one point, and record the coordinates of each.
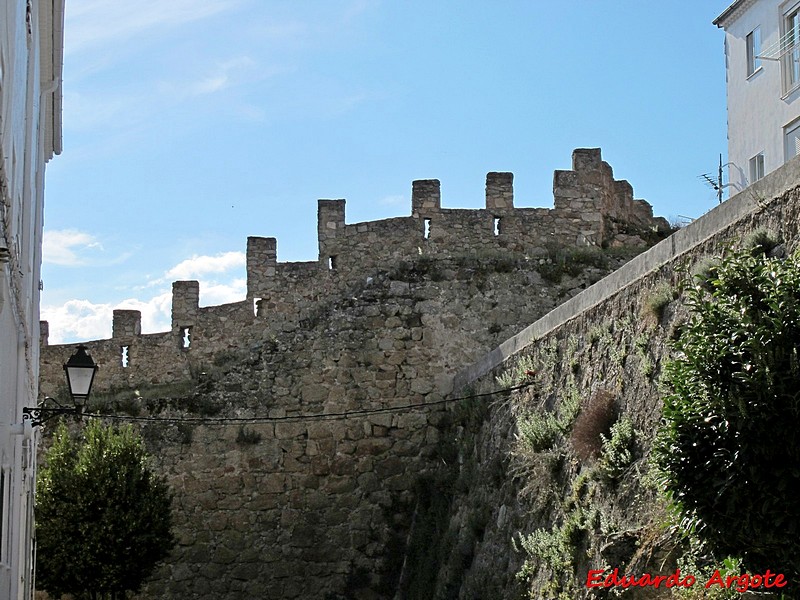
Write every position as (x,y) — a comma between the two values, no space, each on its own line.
(31,49)
(762,62)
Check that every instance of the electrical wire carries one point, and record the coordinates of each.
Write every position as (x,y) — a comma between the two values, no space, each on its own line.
(307,417)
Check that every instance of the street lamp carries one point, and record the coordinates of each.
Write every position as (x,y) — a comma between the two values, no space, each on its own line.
(80,370)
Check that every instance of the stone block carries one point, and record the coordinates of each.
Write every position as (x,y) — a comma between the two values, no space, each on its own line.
(339,485)
(373,446)
(319,429)
(315,393)
(382,419)
(272,483)
(289,430)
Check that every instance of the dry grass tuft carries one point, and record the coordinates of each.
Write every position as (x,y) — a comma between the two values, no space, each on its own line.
(592,422)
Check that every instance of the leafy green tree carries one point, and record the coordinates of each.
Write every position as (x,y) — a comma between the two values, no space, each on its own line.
(730,444)
(103,518)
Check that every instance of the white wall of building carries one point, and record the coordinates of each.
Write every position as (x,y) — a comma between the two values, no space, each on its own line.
(760,105)
(31,45)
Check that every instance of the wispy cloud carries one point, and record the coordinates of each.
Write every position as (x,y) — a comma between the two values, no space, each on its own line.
(92,23)
(395,200)
(225,74)
(68,247)
(108,112)
(132,108)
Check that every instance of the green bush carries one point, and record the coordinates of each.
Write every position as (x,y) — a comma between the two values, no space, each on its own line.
(616,455)
(729,448)
(761,241)
(538,431)
(657,302)
(103,518)
(557,549)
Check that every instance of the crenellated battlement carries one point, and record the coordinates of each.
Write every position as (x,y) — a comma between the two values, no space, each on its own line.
(587,201)
(590,208)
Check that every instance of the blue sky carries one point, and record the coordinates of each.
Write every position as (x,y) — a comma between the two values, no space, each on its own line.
(191,124)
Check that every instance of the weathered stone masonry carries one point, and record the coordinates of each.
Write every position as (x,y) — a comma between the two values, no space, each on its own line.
(603,339)
(299,508)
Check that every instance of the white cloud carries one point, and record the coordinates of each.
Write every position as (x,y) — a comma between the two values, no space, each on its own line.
(78,320)
(94,110)
(133,109)
(213,294)
(156,312)
(82,320)
(67,247)
(197,266)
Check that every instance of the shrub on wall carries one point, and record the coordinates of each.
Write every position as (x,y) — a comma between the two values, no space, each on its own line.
(730,446)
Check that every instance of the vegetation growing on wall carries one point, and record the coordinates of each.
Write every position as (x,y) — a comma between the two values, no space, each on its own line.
(578,447)
(571,452)
(730,449)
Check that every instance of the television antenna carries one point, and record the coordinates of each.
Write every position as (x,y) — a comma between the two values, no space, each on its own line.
(716,184)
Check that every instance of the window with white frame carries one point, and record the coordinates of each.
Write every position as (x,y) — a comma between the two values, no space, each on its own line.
(757,167)
(790,48)
(753,51)
(791,137)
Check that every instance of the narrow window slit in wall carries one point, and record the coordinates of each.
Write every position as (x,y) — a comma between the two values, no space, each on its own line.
(331,263)
(497,225)
(124,357)
(186,337)
(427,232)
(256,305)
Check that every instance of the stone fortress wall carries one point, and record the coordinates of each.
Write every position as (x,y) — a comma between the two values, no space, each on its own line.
(591,208)
(291,504)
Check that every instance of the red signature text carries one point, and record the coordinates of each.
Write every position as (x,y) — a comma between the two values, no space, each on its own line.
(595,579)
(599,578)
(742,583)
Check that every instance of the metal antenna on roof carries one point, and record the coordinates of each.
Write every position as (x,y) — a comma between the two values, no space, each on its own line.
(717,184)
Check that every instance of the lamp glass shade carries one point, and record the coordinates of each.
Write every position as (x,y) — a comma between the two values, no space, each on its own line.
(80,370)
